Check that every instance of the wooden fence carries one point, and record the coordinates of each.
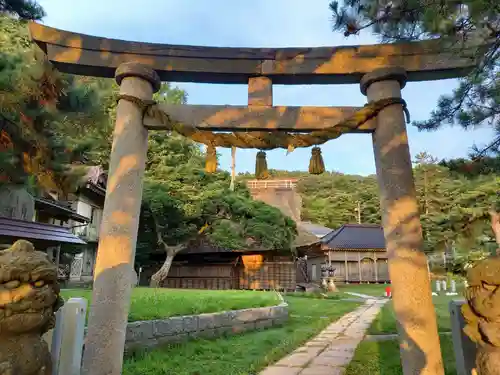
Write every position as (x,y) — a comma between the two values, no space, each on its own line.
(254,272)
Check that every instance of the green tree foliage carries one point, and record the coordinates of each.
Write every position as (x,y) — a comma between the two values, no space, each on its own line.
(95,137)
(341,206)
(454,208)
(181,203)
(36,106)
(331,198)
(23,9)
(476,102)
(472,168)
(184,206)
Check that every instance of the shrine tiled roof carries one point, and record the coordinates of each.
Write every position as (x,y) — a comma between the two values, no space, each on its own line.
(14,230)
(355,237)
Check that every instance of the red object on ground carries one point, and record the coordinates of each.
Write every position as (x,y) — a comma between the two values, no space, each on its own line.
(388,291)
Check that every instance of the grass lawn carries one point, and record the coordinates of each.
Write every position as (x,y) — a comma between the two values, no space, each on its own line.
(151,303)
(322,295)
(244,354)
(383,358)
(374,290)
(385,322)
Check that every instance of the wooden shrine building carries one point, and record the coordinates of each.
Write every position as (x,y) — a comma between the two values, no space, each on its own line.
(357,253)
(205,266)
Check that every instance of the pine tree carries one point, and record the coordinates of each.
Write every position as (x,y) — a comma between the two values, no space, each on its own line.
(476,102)
(23,9)
(37,107)
(473,167)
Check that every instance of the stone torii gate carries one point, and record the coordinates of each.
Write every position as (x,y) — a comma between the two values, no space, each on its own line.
(381,70)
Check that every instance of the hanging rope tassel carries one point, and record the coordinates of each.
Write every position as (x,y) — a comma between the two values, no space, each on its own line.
(261,172)
(316,164)
(211,159)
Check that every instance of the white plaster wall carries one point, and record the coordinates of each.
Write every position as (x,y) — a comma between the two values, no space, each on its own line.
(84,207)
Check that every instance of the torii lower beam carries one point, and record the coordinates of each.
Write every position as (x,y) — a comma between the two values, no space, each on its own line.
(258,118)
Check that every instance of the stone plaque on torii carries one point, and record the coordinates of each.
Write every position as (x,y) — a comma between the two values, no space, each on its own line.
(382,72)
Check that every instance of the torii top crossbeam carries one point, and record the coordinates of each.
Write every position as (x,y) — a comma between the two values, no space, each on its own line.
(94,56)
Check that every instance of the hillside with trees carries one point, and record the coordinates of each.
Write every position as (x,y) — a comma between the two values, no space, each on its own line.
(454,207)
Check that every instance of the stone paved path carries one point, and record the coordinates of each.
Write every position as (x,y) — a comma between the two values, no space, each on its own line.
(330,351)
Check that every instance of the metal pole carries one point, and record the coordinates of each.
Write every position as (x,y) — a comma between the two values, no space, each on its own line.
(233,167)
(359,212)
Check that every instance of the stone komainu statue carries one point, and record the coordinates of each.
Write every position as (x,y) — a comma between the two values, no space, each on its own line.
(29,297)
(482,314)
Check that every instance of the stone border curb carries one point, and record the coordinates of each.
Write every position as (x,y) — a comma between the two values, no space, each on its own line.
(152,333)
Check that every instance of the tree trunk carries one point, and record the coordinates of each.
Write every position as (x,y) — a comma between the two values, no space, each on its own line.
(158,278)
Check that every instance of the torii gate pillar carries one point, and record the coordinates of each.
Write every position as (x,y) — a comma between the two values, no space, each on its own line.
(117,241)
(412,299)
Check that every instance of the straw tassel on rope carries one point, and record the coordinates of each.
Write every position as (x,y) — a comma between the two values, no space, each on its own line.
(211,159)
(316,164)
(261,172)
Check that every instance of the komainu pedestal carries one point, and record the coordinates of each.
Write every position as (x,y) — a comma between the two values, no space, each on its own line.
(482,314)
(29,297)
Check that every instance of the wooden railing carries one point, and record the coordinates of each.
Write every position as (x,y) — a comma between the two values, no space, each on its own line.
(273,184)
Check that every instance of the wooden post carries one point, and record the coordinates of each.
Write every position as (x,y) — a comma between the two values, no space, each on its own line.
(115,255)
(359,266)
(260,92)
(411,290)
(58,256)
(376,266)
(346,268)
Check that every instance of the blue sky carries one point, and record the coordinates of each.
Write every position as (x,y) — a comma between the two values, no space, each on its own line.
(263,23)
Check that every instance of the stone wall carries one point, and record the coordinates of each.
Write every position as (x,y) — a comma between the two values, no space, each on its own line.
(150,333)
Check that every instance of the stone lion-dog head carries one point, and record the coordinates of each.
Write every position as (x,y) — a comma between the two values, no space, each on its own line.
(29,297)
